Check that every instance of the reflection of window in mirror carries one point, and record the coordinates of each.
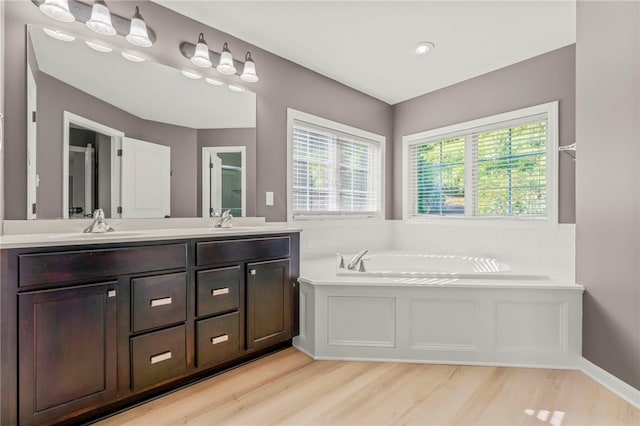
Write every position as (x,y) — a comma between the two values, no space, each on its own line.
(223,180)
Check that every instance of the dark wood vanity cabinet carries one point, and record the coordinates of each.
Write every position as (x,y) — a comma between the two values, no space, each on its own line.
(89,329)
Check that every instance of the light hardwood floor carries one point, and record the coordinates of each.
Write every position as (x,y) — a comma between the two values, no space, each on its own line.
(290,388)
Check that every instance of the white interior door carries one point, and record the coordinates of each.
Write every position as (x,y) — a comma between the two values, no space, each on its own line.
(146,179)
(32,177)
(216,183)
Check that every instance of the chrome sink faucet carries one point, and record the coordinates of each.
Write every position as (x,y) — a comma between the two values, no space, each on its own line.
(225,220)
(357,259)
(99,225)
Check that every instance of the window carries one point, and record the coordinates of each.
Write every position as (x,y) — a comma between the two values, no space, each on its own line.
(334,170)
(496,167)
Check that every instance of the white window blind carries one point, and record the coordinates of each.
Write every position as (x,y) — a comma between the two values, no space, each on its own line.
(334,173)
(495,170)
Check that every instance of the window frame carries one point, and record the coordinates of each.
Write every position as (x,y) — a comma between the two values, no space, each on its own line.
(552,183)
(294,115)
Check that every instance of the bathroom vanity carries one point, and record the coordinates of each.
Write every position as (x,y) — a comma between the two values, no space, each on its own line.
(90,328)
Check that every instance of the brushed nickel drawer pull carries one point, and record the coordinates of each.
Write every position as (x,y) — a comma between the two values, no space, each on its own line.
(111,293)
(219,339)
(161,357)
(220,291)
(160,302)
(253,272)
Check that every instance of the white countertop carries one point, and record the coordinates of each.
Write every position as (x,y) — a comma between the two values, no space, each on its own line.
(25,240)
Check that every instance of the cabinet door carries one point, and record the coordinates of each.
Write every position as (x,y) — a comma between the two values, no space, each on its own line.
(67,351)
(268,303)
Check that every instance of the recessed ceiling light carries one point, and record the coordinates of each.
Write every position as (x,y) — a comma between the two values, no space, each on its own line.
(192,75)
(236,88)
(213,81)
(58,35)
(422,48)
(99,47)
(133,58)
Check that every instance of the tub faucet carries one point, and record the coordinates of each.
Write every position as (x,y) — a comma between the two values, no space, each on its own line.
(225,220)
(99,225)
(357,258)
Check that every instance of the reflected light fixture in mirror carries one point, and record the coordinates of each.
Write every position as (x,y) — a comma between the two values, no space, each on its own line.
(138,34)
(213,81)
(132,57)
(236,88)
(98,47)
(200,57)
(226,62)
(191,75)
(100,21)
(58,10)
(58,35)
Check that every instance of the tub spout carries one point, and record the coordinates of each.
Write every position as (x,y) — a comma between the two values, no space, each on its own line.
(354,262)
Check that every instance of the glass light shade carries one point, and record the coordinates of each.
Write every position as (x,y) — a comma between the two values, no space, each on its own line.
(249,71)
(133,58)
(58,35)
(236,88)
(226,62)
(98,47)
(213,81)
(58,10)
(138,34)
(200,57)
(100,20)
(192,75)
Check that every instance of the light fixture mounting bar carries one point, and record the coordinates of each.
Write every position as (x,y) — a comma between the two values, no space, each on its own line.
(188,49)
(82,12)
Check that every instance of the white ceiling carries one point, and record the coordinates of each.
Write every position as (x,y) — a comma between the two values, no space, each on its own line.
(365,44)
(134,87)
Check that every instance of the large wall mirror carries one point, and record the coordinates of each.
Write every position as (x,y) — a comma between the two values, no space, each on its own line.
(136,139)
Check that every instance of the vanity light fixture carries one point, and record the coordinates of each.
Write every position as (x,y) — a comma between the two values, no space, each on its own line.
(98,47)
(100,20)
(422,48)
(138,34)
(58,35)
(213,82)
(58,10)
(236,88)
(133,58)
(249,72)
(226,62)
(200,57)
(192,75)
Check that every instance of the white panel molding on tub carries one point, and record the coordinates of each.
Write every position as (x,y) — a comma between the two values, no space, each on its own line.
(361,321)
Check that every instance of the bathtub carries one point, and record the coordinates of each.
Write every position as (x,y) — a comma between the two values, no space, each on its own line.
(414,265)
(432,308)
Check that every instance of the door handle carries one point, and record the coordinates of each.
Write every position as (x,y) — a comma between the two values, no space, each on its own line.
(111,293)
(161,357)
(252,272)
(219,339)
(160,302)
(220,291)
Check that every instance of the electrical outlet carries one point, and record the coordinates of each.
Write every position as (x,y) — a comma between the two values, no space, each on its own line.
(269,198)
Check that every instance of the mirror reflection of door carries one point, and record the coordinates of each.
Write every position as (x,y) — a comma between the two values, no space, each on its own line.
(224,180)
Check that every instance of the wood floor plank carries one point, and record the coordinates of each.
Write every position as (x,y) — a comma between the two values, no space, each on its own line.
(288,388)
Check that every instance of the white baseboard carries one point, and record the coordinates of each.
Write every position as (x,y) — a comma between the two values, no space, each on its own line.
(611,382)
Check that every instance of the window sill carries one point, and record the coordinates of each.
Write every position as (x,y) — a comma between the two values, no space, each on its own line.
(485,222)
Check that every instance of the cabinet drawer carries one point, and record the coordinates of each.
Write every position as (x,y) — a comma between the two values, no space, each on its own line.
(158,356)
(240,250)
(218,339)
(46,268)
(157,301)
(218,290)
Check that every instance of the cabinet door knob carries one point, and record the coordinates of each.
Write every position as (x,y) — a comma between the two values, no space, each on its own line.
(219,339)
(161,357)
(220,291)
(161,301)
(111,293)
(252,272)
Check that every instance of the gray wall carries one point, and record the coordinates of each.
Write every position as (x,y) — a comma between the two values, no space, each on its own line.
(541,79)
(231,137)
(282,84)
(54,97)
(608,184)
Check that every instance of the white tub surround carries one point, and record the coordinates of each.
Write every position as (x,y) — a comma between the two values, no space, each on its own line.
(526,322)
(30,233)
